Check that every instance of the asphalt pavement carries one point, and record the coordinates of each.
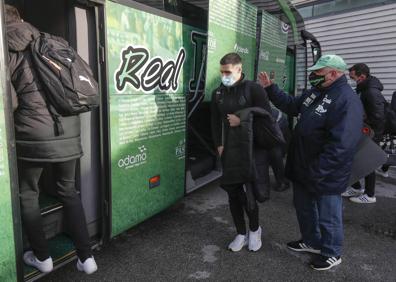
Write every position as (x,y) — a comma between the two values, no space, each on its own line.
(188,241)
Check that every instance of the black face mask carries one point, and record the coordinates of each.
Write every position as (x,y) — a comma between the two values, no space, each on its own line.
(316,80)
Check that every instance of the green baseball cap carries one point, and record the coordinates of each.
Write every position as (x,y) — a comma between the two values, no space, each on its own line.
(330,61)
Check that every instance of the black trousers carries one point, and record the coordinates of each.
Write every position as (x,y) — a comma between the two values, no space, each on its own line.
(238,205)
(74,217)
(369,185)
(275,157)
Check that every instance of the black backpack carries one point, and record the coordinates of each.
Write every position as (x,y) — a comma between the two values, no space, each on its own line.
(68,80)
(391,116)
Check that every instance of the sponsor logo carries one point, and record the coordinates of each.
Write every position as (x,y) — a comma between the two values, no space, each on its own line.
(134,159)
(239,49)
(285,28)
(212,42)
(180,149)
(142,73)
(264,55)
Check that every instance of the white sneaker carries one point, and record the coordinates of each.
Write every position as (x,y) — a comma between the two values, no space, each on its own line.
(44,266)
(255,240)
(239,242)
(363,199)
(382,173)
(352,192)
(89,266)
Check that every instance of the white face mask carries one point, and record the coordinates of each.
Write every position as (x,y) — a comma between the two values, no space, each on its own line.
(228,80)
(352,83)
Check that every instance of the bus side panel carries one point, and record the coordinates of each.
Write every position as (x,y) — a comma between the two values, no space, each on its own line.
(231,28)
(147,65)
(8,270)
(273,46)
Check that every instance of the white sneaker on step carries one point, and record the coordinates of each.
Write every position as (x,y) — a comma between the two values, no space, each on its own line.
(44,266)
(363,199)
(352,192)
(239,242)
(89,266)
(255,240)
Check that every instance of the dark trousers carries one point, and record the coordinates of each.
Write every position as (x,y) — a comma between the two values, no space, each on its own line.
(369,185)
(74,217)
(275,157)
(238,205)
(320,220)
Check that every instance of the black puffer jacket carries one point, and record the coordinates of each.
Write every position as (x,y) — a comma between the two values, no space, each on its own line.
(374,104)
(35,135)
(229,100)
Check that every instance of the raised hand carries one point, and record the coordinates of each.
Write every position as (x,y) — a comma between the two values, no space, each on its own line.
(264,79)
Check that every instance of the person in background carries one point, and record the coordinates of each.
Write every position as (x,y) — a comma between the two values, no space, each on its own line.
(276,155)
(369,89)
(37,145)
(320,155)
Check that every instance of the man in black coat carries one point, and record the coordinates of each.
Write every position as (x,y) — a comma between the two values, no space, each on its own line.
(235,94)
(39,144)
(369,89)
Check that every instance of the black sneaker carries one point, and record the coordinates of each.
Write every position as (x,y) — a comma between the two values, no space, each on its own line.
(300,246)
(325,263)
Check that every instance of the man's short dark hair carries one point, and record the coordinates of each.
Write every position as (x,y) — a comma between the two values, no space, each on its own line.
(360,69)
(11,14)
(231,58)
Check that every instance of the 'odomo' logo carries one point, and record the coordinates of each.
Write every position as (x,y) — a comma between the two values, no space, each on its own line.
(134,160)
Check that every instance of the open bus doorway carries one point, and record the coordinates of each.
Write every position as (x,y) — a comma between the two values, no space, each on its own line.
(77,25)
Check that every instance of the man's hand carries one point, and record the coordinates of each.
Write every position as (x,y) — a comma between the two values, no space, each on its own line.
(233,120)
(264,79)
(220,150)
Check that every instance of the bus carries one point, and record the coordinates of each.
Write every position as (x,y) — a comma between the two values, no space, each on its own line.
(149,142)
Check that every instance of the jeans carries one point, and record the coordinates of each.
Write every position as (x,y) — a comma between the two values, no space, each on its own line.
(74,217)
(238,205)
(320,220)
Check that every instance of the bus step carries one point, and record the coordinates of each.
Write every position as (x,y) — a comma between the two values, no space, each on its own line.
(61,249)
(48,204)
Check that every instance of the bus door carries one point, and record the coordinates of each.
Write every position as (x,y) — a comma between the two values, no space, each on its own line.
(10,241)
(77,23)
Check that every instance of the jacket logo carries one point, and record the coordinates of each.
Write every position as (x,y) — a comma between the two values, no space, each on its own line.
(83,78)
(308,101)
(219,97)
(242,101)
(321,108)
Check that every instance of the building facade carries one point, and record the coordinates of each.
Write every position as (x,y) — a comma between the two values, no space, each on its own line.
(359,31)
